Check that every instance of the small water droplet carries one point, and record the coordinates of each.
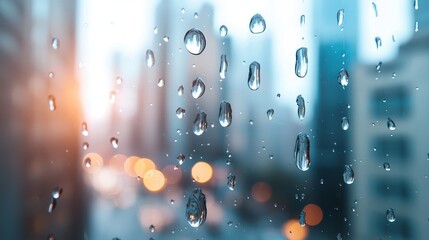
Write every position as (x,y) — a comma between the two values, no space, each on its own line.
(302,20)
(321,181)
(51,237)
(155,30)
(112,97)
(416,26)
(119,80)
(348,174)
(180,90)
(340,17)
(374,7)
(223,31)
(183,10)
(115,142)
(301,107)
(85,146)
(160,82)
(200,124)
(150,58)
(87,162)
(195,41)
(225,114)
(172,201)
(378,42)
(181,158)
(52,103)
(84,129)
(416,5)
(390,215)
(302,218)
(378,67)
(270,113)
(254,79)
(343,78)
(231,181)
(55,43)
(302,152)
(152,228)
(198,88)
(393,75)
(391,124)
(301,62)
(223,66)
(196,210)
(56,192)
(166,38)
(51,75)
(180,112)
(52,205)
(339,236)
(257,24)
(230,223)
(345,123)
(386,166)
(196,15)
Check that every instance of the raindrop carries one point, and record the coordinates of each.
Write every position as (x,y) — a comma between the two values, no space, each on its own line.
(302,152)
(115,142)
(55,43)
(51,237)
(200,124)
(302,20)
(152,228)
(155,30)
(270,113)
(172,201)
(386,166)
(225,114)
(374,7)
(378,67)
(416,4)
(119,80)
(51,75)
(416,26)
(339,236)
(183,10)
(391,124)
(85,146)
(301,107)
(229,223)
(302,218)
(223,31)
(257,24)
(196,15)
(160,82)
(390,215)
(301,62)
(180,90)
(180,112)
(196,210)
(84,129)
(150,58)
(87,162)
(112,97)
(195,41)
(254,78)
(52,205)
(181,158)
(52,104)
(223,66)
(343,78)
(378,42)
(198,88)
(345,123)
(231,181)
(340,17)
(56,192)
(166,38)
(348,174)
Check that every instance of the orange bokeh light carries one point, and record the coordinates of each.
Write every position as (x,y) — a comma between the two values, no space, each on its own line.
(294,231)
(173,174)
(154,180)
(261,192)
(129,166)
(117,162)
(313,214)
(143,165)
(92,162)
(202,172)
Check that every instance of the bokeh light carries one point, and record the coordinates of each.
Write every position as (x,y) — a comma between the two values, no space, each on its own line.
(261,192)
(106,182)
(313,214)
(294,231)
(154,180)
(143,165)
(92,162)
(202,172)
(117,162)
(129,165)
(173,174)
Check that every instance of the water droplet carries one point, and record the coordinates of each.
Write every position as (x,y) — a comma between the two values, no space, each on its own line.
(55,43)
(416,26)
(390,215)
(339,236)
(87,162)
(223,66)
(374,7)
(84,129)
(200,124)
(180,112)
(56,192)
(172,201)
(181,158)
(229,223)
(378,42)
(223,31)
(378,67)
(301,62)
(302,218)
(198,88)
(180,90)
(230,181)
(416,4)
(302,152)
(257,24)
(119,80)
(166,38)
(345,123)
(112,97)
(52,104)
(391,124)
(301,107)
(150,58)
(85,146)
(160,82)
(254,78)
(196,15)
(195,41)
(348,174)
(386,166)
(196,210)
(270,113)
(183,10)
(51,75)
(340,17)
(225,114)
(152,228)
(343,78)
(302,20)
(115,142)
(321,181)
(51,237)
(155,30)
(52,205)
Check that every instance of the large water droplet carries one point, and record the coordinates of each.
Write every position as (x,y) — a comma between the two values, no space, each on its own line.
(84,129)
(230,181)
(200,124)
(391,124)
(345,123)
(160,82)
(52,205)
(270,113)
(181,158)
(386,166)
(302,218)
(254,78)
(195,41)
(378,42)
(198,87)
(115,142)
(301,62)
(302,152)
(416,4)
(343,78)
(55,43)
(56,192)
(150,58)
(223,31)
(340,17)
(374,7)
(180,112)
(225,114)
(301,107)
(196,210)
(51,102)
(302,20)
(180,90)
(223,66)
(257,24)
(348,174)
(390,215)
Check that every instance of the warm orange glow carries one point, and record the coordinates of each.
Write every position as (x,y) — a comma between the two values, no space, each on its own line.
(293,231)
(92,162)
(313,214)
(261,192)
(154,180)
(202,172)
(129,166)
(143,165)
(117,162)
(173,174)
